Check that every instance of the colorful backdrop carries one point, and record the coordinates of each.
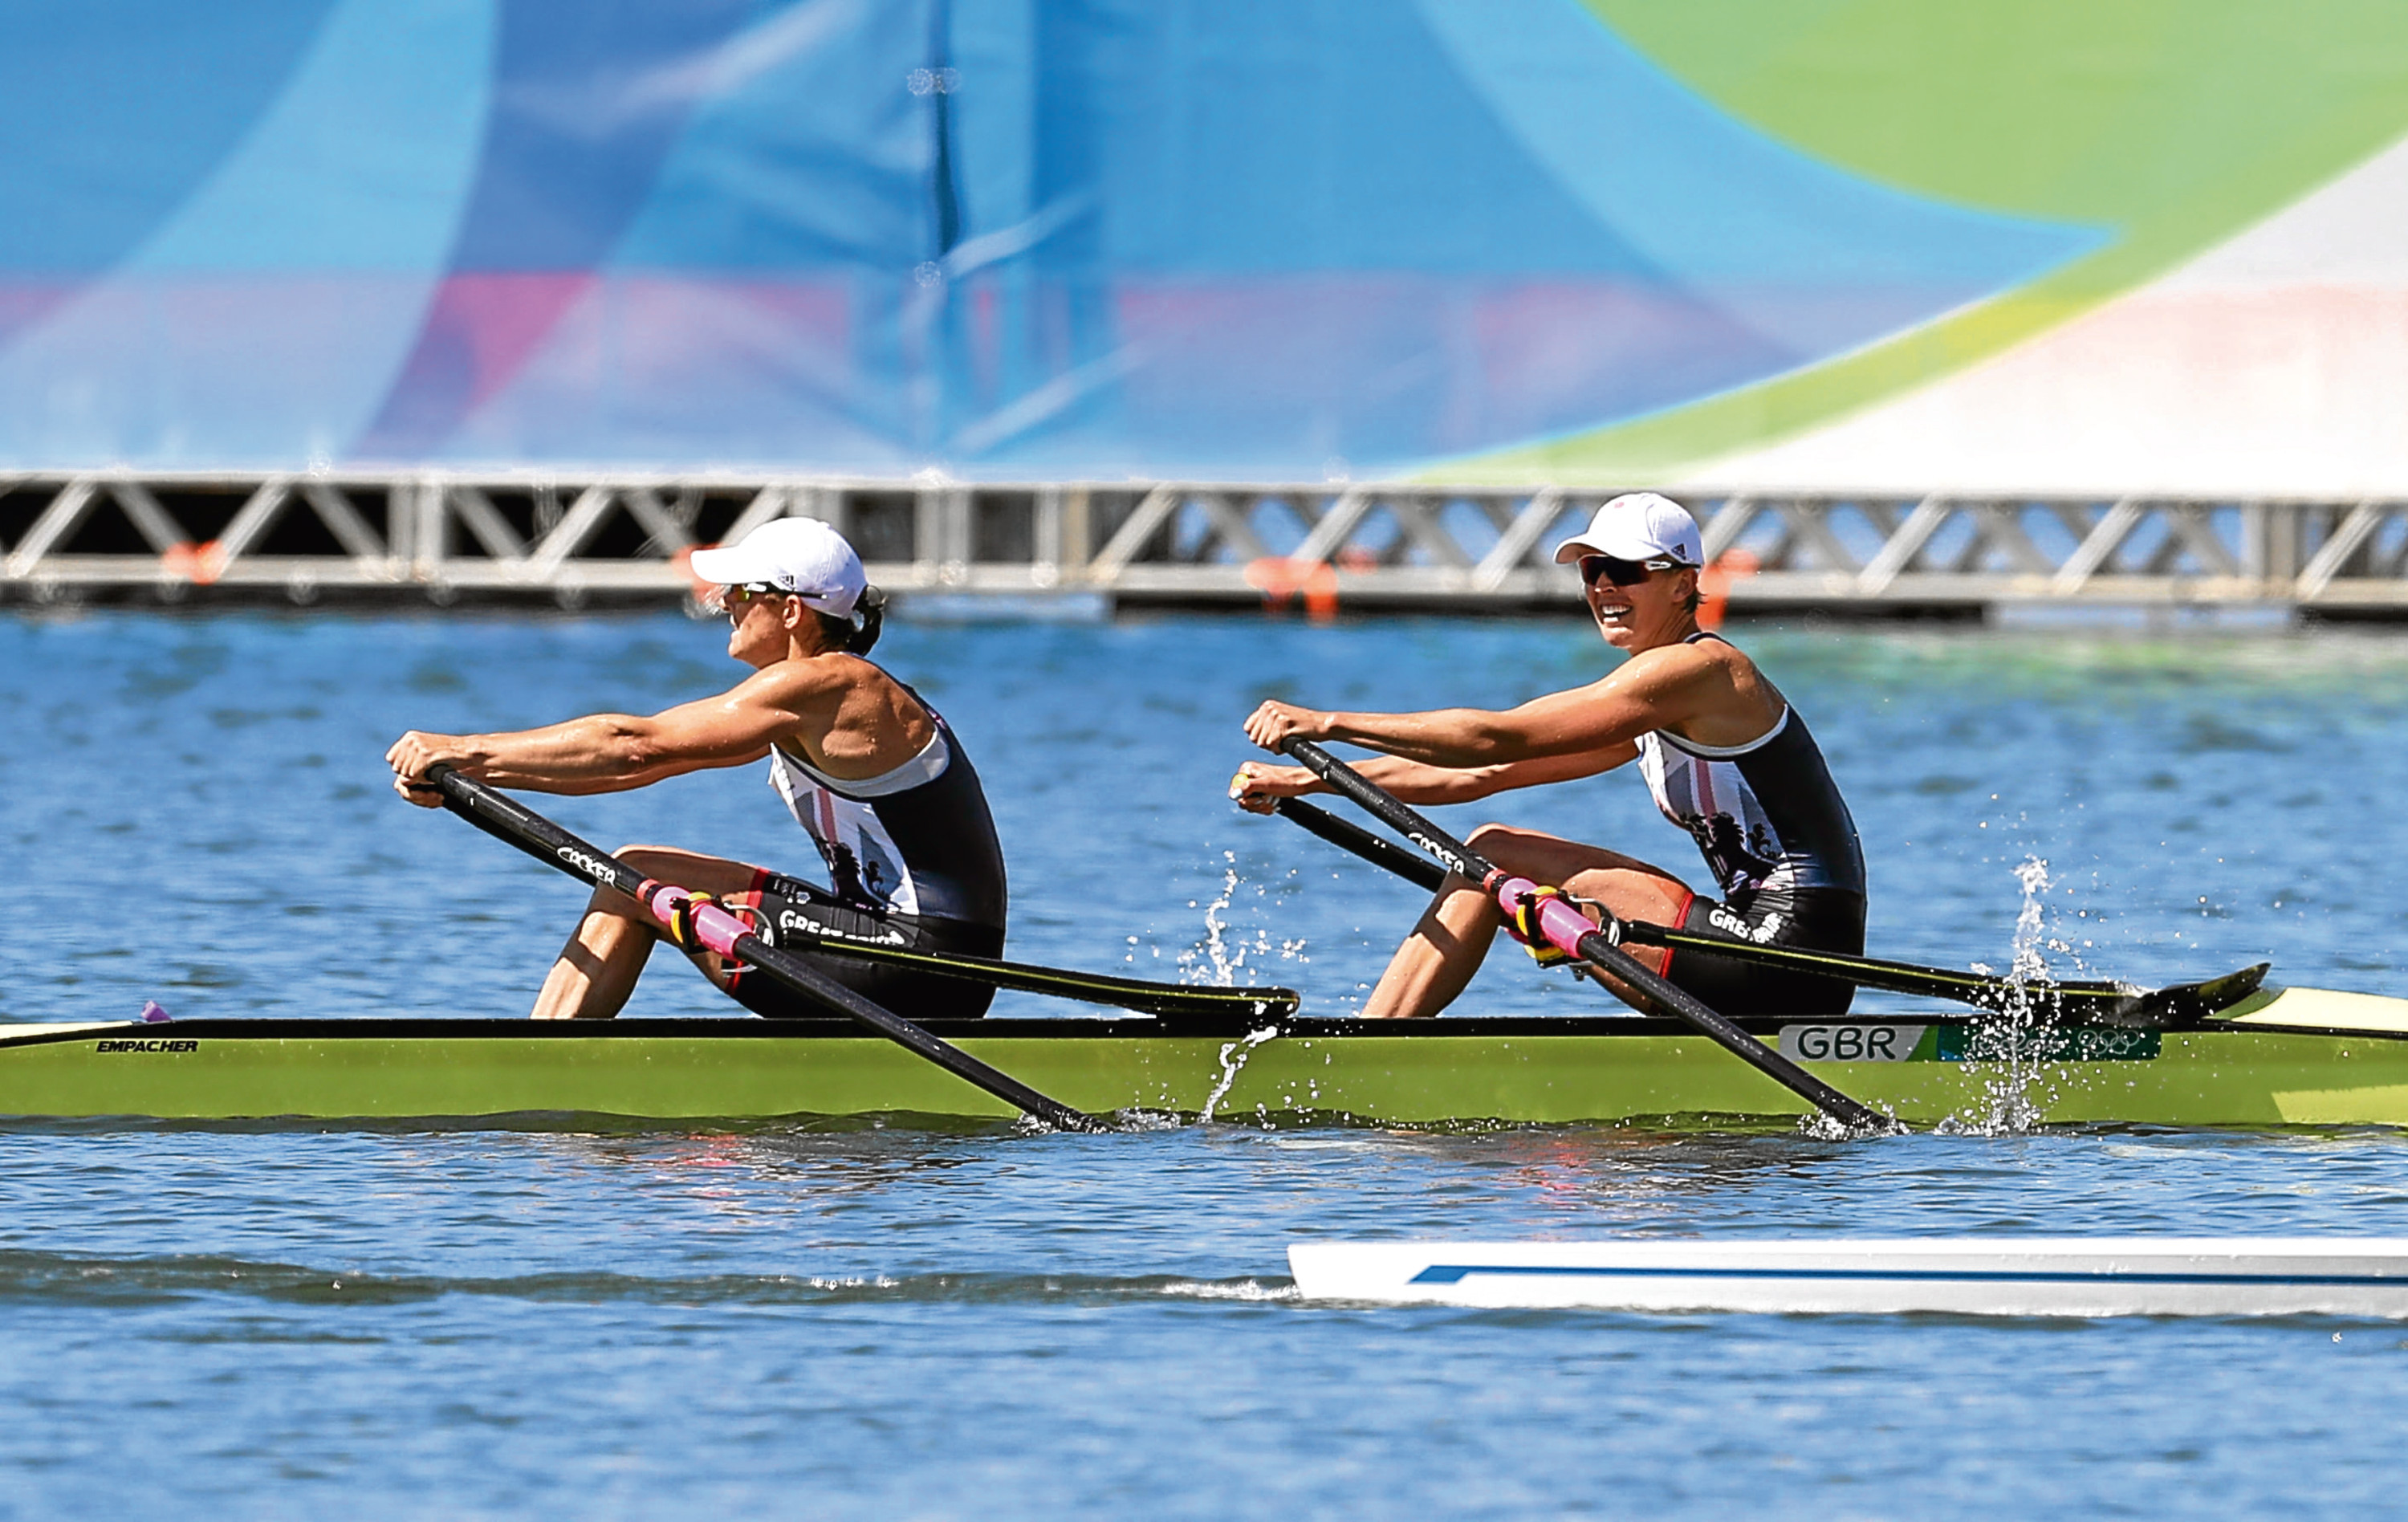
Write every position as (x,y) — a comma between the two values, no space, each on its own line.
(1477,238)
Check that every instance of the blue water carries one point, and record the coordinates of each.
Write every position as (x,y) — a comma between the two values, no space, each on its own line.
(828,1319)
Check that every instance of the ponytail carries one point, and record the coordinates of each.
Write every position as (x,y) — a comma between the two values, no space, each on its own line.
(855,635)
(872,610)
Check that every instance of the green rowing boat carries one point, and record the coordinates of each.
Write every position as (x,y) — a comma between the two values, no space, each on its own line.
(2298,1057)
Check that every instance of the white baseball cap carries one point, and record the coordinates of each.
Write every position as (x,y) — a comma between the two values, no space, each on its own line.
(800,555)
(1636,525)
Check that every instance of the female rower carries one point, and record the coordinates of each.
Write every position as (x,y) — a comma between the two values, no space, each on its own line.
(873,775)
(1725,757)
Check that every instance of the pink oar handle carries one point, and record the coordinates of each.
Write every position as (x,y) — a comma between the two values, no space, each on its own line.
(1559,921)
(714,927)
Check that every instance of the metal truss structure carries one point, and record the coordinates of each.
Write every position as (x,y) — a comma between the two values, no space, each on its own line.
(573,540)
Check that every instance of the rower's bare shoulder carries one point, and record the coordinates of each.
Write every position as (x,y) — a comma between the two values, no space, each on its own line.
(1668,668)
(1729,699)
(1743,677)
(804,680)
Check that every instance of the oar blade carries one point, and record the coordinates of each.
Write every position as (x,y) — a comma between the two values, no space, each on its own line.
(2179,1006)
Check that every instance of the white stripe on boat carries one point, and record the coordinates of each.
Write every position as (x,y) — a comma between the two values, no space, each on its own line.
(2324,1009)
(16,1031)
(2057,1276)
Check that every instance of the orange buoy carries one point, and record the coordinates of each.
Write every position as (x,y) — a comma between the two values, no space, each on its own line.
(1278,579)
(1714,585)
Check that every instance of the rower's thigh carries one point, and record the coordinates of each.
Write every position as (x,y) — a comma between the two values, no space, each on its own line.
(1632,888)
(690,868)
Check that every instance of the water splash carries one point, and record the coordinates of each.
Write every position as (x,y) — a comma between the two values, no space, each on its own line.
(1229,1289)
(1821,1126)
(2031,921)
(1214,959)
(1224,952)
(2015,1043)
(1232,1061)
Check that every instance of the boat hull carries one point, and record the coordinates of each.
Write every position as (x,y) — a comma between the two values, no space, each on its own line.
(2265,1069)
(2001,1276)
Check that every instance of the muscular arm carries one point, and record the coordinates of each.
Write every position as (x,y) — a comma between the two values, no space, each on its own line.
(1609,714)
(611,752)
(1415,782)
(1653,691)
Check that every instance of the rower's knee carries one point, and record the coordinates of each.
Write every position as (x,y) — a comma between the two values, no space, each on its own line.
(609,901)
(1504,844)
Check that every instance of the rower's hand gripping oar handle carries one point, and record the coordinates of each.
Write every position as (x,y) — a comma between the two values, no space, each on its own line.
(715,929)
(1569,930)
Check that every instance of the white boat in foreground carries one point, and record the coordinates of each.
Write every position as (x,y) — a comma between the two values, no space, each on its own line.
(1993,1276)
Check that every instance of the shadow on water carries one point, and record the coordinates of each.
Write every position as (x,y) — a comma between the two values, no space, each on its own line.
(67,1279)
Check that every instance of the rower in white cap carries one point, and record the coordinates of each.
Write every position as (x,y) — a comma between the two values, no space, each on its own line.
(871,773)
(1724,754)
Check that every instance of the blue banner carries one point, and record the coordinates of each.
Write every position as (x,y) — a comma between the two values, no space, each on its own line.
(1018,238)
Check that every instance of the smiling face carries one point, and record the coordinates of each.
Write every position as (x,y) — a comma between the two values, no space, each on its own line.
(1654,612)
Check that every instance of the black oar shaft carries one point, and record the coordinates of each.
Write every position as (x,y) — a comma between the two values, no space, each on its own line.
(2109,1003)
(1901,977)
(1253,1002)
(1348,836)
(1595,948)
(513,823)
(518,826)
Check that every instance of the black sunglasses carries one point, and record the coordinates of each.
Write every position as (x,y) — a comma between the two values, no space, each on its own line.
(731,600)
(1619,571)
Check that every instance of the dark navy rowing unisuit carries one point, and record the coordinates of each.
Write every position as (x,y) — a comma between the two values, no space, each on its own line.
(912,861)
(1766,815)
(917,839)
(1777,836)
